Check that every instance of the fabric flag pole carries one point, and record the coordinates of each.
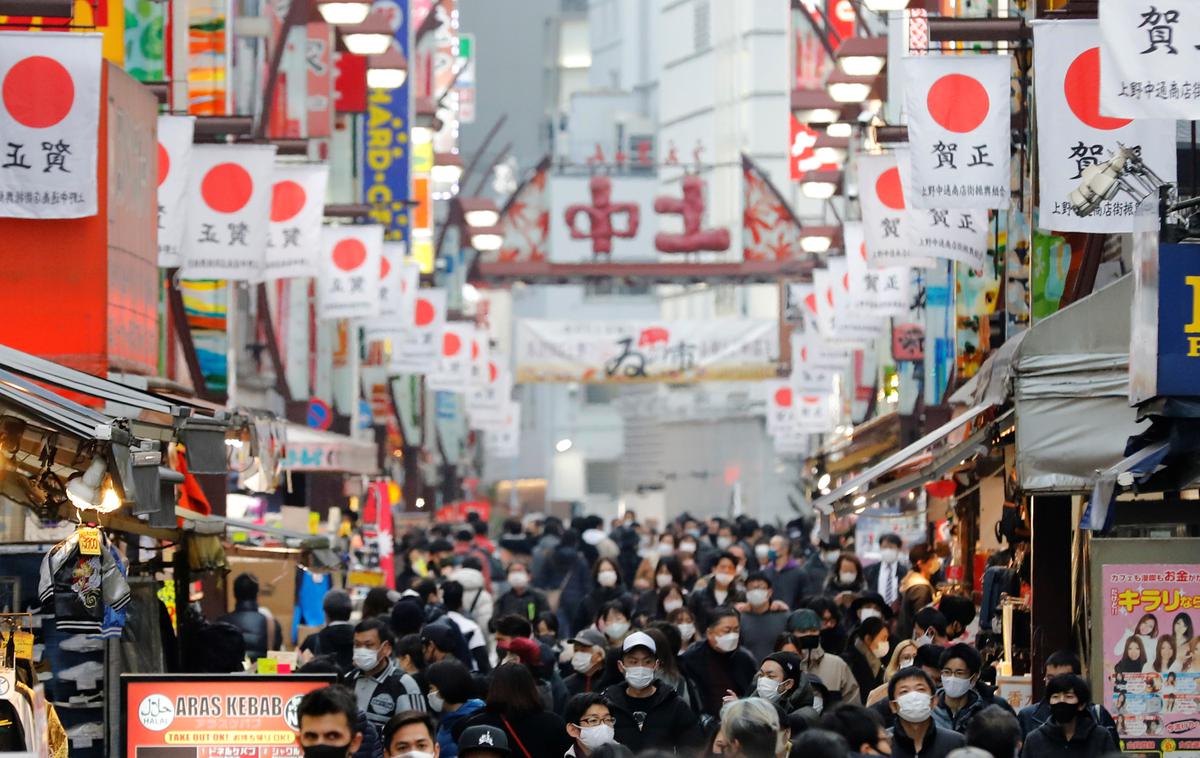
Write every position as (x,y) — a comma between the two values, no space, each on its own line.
(174,160)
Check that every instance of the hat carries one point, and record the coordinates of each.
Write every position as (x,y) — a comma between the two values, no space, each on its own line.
(789,662)
(639,639)
(590,636)
(870,597)
(440,635)
(483,738)
(524,648)
(804,620)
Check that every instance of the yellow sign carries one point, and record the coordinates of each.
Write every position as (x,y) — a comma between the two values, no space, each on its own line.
(24,645)
(314,522)
(1194,328)
(89,541)
(267,666)
(365,579)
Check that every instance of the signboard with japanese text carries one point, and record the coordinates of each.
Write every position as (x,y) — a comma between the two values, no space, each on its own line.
(205,716)
(849,324)
(318,61)
(491,392)
(599,352)
(386,138)
(1151,655)
(297,210)
(453,370)
(780,399)
(810,374)
(601,218)
(504,439)
(228,211)
(885,213)
(397,289)
(1149,59)
(958,127)
(348,282)
(1165,337)
(416,347)
(1073,134)
(879,292)
(174,160)
(959,234)
(48,122)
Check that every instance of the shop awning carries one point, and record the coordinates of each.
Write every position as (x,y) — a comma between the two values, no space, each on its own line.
(312,450)
(860,482)
(1104,491)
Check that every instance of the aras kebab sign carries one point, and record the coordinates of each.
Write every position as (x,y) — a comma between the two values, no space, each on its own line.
(208,716)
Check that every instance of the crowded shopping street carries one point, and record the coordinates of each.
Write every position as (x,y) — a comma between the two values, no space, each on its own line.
(599,378)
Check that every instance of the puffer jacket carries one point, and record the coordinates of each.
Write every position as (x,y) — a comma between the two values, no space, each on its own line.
(477,601)
(255,628)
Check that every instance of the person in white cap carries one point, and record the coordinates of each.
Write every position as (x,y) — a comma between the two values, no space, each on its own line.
(649,716)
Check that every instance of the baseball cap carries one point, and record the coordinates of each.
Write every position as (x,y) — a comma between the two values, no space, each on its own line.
(590,636)
(483,738)
(440,635)
(639,639)
(804,620)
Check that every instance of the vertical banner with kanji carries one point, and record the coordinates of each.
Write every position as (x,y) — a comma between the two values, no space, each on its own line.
(228,211)
(1148,615)
(885,213)
(348,282)
(958,127)
(174,163)
(1149,58)
(49,117)
(878,292)
(318,64)
(1072,133)
(297,209)
(386,146)
(416,347)
(453,370)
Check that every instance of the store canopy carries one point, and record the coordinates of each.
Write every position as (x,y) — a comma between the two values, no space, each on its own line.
(1097,515)
(312,450)
(1071,392)
(860,482)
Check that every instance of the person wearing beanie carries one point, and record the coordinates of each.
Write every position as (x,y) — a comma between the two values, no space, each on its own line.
(804,625)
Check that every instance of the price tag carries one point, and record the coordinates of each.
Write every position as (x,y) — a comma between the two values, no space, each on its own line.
(89,540)
(314,522)
(23,645)
(268,666)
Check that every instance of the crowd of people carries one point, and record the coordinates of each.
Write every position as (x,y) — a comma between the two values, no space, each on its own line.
(706,638)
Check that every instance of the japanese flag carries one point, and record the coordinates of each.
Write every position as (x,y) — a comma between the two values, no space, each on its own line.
(228,206)
(417,348)
(297,209)
(885,213)
(1072,133)
(814,414)
(49,112)
(956,234)
(780,406)
(1149,60)
(504,439)
(488,398)
(849,324)
(174,161)
(958,126)
(881,292)
(809,375)
(823,305)
(348,284)
(453,370)
(398,284)
(481,353)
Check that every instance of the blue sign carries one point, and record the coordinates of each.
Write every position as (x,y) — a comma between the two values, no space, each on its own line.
(386,138)
(319,415)
(1179,320)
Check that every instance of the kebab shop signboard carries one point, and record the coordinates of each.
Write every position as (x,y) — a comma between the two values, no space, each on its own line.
(214,716)
(1150,616)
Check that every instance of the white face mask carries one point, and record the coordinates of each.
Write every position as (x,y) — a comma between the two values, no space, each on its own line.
(869,613)
(723,578)
(606,578)
(686,631)
(616,629)
(762,552)
(889,554)
(914,707)
(848,577)
(955,686)
(672,605)
(593,737)
(687,547)
(727,643)
(724,543)
(906,663)
(365,658)
(639,677)
(436,702)
(414,754)
(581,662)
(880,649)
(767,689)
(666,548)
(758,597)
(518,580)
(662,580)
(924,639)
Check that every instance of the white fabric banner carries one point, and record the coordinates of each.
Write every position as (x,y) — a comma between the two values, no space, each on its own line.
(943,233)
(780,402)
(1072,134)
(481,355)
(885,213)
(174,162)
(453,370)
(814,414)
(488,399)
(881,292)
(1149,60)
(849,324)
(822,280)
(297,210)
(399,280)
(959,124)
(228,210)
(416,347)
(810,374)
(504,441)
(49,117)
(348,283)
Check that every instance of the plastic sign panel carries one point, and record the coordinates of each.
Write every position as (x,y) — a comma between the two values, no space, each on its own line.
(206,716)
(1165,337)
(348,285)
(958,126)
(174,161)
(1149,59)
(297,210)
(1073,134)
(885,213)
(385,175)
(229,203)
(49,116)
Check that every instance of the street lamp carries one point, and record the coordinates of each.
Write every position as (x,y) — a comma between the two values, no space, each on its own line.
(844,88)
(820,185)
(817,239)
(447,168)
(344,12)
(479,211)
(831,149)
(563,445)
(862,56)
(388,70)
(372,37)
(487,239)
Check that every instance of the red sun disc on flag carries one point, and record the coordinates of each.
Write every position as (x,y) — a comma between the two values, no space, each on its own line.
(846,282)
(226,188)
(287,200)
(38,92)
(164,164)
(862,250)
(451,344)
(804,354)
(783,397)
(1082,88)
(810,302)
(889,190)
(493,372)
(385,267)
(424,312)
(958,103)
(829,296)
(349,254)
(474,349)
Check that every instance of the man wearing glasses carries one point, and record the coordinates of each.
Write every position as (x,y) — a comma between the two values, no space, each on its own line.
(589,722)
(959,699)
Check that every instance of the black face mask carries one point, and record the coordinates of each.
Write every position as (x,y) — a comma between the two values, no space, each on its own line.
(327,751)
(1063,712)
(807,642)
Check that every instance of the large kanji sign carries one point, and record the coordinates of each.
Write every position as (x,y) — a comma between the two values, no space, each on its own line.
(49,124)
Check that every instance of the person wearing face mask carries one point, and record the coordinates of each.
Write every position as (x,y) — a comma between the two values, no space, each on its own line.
(717,663)
(885,576)
(451,698)
(328,723)
(957,702)
(587,662)
(649,716)
(589,722)
(606,587)
(904,654)
(763,618)
(916,590)
(915,735)
(719,588)
(865,606)
(788,578)
(644,579)
(1035,715)
(863,730)
(845,577)
(685,622)
(1072,731)
(409,734)
(667,575)
(521,599)
(805,627)
(613,620)
(381,687)
(867,651)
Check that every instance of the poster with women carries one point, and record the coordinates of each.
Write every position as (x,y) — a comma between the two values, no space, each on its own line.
(1152,654)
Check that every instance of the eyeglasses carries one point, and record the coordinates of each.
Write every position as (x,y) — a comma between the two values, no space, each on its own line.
(960,673)
(597,721)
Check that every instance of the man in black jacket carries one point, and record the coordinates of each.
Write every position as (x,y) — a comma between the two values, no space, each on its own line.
(649,715)
(1072,731)
(1033,716)
(910,693)
(259,628)
(381,688)
(337,638)
(717,664)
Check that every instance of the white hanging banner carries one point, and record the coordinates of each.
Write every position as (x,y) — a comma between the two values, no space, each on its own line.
(504,440)
(481,353)
(959,126)
(348,282)
(487,399)
(849,324)
(885,213)
(943,233)
(174,161)
(416,347)
(823,300)
(392,282)
(881,292)
(814,414)
(228,209)
(453,370)
(810,375)
(1149,58)
(780,402)
(297,209)
(49,117)
(1072,133)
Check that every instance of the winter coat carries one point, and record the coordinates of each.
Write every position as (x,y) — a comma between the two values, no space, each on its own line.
(703,600)
(477,601)
(1049,740)
(666,722)
(915,593)
(528,605)
(834,674)
(542,733)
(938,743)
(447,742)
(256,627)
(1033,716)
(787,584)
(866,668)
(958,721)
(715,672)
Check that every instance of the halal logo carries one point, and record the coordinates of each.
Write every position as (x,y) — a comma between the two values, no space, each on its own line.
(156,712)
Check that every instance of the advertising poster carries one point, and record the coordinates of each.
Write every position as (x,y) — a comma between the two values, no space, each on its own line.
(1152,655)
(208,716)
(876,522)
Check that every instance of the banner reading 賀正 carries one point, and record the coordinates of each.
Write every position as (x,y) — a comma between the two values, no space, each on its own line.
(386,138)
(1148,614)
(601,352)
(1149,53)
